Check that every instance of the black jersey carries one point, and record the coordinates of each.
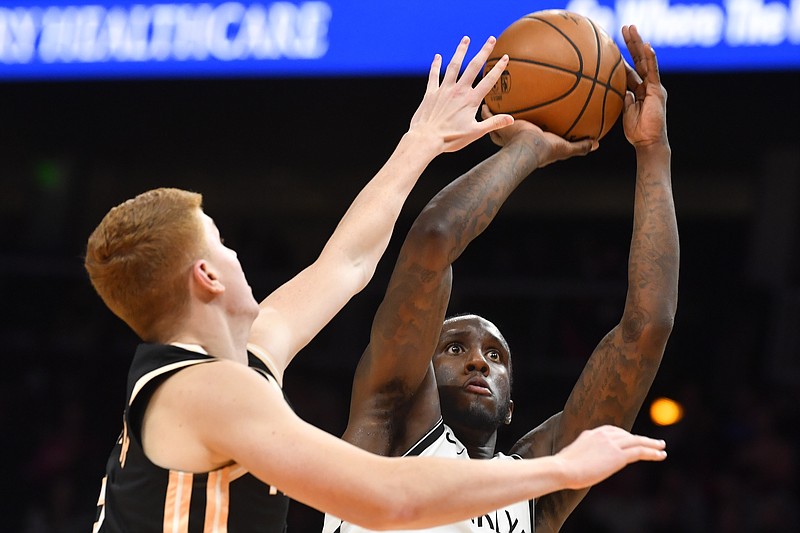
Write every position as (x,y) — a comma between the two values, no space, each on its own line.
(138,496)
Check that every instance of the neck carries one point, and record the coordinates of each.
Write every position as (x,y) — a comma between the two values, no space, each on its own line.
(221,338)
(480,443)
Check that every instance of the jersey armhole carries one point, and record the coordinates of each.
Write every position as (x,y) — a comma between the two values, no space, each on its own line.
(265,358)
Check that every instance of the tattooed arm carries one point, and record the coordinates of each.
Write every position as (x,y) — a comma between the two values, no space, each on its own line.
(620,371)
(395,400)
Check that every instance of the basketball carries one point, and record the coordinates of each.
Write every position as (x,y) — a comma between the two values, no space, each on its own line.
(565,74)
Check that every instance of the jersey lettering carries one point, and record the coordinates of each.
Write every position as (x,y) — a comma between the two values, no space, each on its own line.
(507,525)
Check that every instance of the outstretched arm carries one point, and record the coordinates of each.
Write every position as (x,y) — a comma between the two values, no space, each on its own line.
(239,417)
(395,400)
(620,371)
(445,121)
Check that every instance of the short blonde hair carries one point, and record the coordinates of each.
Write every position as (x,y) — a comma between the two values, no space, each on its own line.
(139,255)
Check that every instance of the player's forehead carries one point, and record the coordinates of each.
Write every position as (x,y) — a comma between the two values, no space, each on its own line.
(464,326)
(208,222)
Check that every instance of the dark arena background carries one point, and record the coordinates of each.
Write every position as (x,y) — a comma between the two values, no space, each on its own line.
(278,159)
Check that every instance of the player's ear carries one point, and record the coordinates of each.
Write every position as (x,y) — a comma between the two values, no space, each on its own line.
(509,413)
(205,281)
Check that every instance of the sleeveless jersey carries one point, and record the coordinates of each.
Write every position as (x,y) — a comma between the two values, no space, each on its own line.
(442,442)
(138,496)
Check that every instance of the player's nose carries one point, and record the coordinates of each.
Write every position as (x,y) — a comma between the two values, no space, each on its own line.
(476,362)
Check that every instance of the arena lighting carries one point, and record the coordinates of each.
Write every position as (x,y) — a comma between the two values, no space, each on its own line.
(665,412)
(63,39)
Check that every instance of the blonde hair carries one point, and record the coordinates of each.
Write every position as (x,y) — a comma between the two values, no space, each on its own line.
(138,257)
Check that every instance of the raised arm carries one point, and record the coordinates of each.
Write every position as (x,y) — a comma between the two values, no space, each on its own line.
(620,371)
(445,121)
(395,399)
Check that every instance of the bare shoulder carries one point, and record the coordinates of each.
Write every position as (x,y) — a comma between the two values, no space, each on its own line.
(217,382)
(191,413)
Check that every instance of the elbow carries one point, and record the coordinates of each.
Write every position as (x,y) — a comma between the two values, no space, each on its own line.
(406,510)
(663,321)
(399,517)
(661,329)
(366,271)
(393,510)
(432,240)
(655,328)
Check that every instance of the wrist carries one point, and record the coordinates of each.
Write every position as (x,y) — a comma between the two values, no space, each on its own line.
(659,148)
(561,472)
(423,142)
(532,146)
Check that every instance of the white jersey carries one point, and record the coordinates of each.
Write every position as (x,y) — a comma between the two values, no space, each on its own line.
(442,442)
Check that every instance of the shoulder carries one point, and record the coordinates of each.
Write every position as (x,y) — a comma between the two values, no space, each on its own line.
(224,374)
(217,389)
(203,416)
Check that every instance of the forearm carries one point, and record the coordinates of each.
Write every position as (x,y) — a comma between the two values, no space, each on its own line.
(622,367)
(502,483)
(295,312)
(654,255)
(411,493)
(363,234)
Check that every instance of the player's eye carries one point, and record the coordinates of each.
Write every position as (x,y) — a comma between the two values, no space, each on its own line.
(454,349)
(494,355)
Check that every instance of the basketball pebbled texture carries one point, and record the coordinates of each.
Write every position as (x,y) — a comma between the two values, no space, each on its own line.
(565,74)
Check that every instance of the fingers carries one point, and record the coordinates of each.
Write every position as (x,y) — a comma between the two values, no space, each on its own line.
(633,78)
(644,453)
(488,81)
(433,74)
(645,58)
(645,72)
(653,76)
(451,74)
(476,65)
(629,440)
(636,447)
(636,48)
(495,122)
(628,101)
(640,448)
(582,147)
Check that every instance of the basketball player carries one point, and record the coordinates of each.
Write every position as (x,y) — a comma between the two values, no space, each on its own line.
(426,389)
(209,442)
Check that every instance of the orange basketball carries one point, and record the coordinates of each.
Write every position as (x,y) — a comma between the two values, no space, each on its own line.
(565,74)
